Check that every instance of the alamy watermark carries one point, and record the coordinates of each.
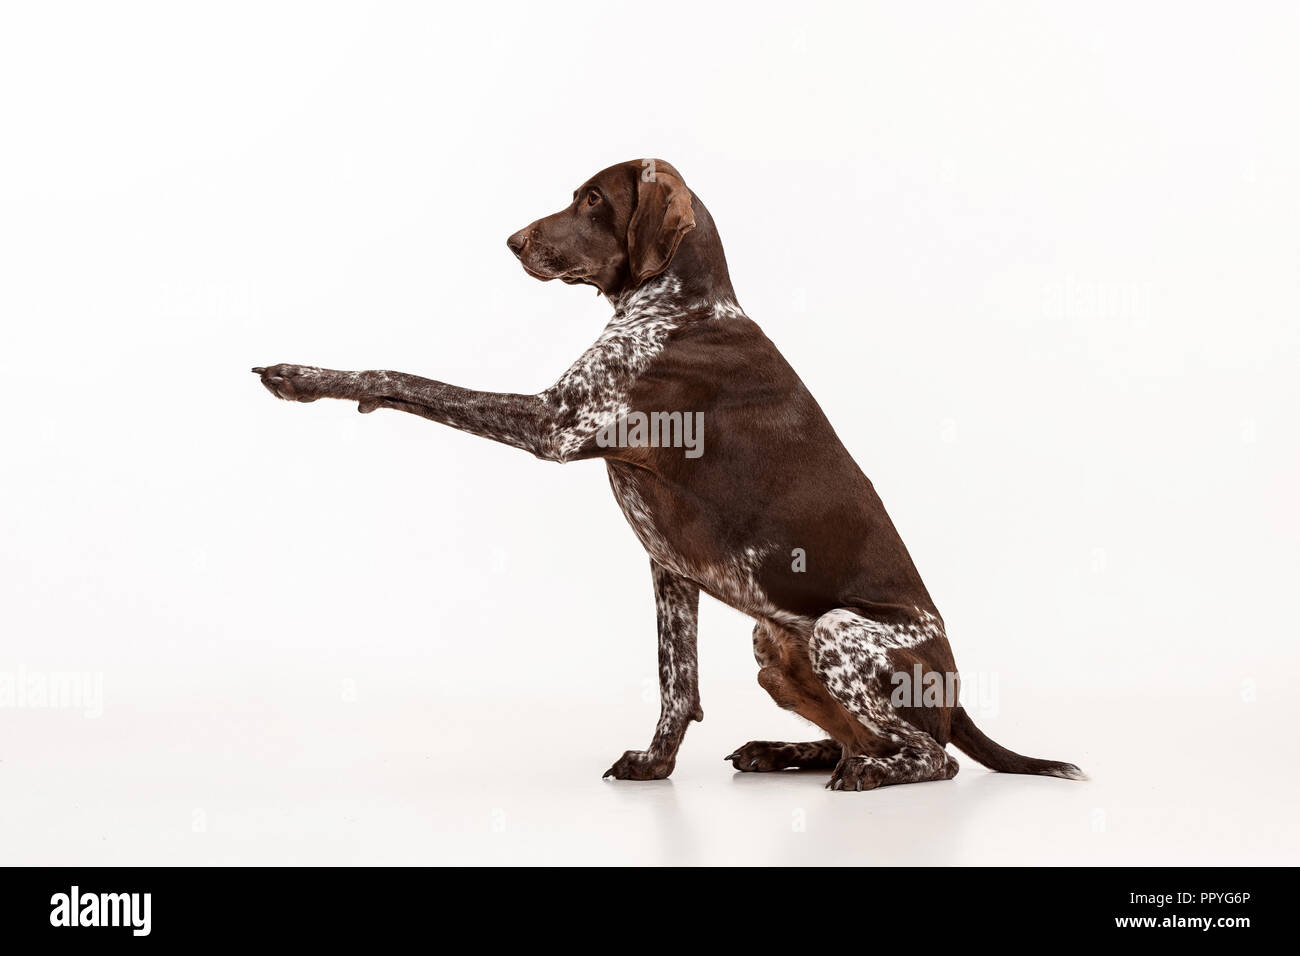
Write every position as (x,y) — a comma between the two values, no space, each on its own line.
(922,688)
(655,430)
(77,908)
(1082,298)
(53,690)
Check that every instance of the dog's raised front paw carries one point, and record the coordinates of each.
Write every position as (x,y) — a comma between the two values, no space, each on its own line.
(293,383)
(640,765)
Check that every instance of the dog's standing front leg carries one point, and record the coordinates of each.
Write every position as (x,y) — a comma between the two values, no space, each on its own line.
(677,604)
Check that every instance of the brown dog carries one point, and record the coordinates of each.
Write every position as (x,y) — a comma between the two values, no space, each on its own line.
(770,515)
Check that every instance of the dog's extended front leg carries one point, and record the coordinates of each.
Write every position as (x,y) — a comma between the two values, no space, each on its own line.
(524,421)
(677,604)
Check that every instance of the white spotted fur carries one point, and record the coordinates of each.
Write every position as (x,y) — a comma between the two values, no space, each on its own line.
(592,394)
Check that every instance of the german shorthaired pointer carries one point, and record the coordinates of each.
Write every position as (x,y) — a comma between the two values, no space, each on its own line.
(771,515)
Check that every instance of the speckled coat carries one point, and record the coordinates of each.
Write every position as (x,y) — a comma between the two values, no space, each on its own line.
(774,518)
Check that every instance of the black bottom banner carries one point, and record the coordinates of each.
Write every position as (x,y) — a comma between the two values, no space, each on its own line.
(110,907)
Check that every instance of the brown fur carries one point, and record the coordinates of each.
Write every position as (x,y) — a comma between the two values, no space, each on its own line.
(775,478)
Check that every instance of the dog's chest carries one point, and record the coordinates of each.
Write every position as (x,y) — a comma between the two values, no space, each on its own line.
(593,393)
(731,578)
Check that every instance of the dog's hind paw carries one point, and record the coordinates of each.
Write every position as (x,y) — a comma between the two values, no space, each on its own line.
(640,765)
(857,773)
(762,756)
(909,765)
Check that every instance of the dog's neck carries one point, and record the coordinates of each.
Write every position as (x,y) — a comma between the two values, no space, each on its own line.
(696,281)
(655,296)
(666,294)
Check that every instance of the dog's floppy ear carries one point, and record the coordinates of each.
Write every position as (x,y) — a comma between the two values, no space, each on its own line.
(663,215)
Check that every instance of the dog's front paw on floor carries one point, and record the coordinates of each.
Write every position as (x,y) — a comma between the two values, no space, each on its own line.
(640,765)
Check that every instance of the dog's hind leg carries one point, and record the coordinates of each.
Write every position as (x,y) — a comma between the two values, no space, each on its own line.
(787,675)
(677,603)
(855,658)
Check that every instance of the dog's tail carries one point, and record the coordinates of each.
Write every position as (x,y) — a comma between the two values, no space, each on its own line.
(972,742)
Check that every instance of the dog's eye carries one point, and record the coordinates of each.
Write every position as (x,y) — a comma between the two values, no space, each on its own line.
(593,197)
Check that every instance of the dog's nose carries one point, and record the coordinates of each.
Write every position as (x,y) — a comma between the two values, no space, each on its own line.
(518,241)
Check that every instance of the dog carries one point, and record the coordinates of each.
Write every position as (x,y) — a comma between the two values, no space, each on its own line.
(770,515)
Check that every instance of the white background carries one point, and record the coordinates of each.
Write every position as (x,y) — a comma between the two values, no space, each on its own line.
(1038,265)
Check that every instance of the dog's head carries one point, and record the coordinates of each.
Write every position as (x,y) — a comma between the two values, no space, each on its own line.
(623,226)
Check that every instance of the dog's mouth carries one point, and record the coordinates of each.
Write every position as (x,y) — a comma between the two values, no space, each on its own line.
(567,275)
(537,273)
